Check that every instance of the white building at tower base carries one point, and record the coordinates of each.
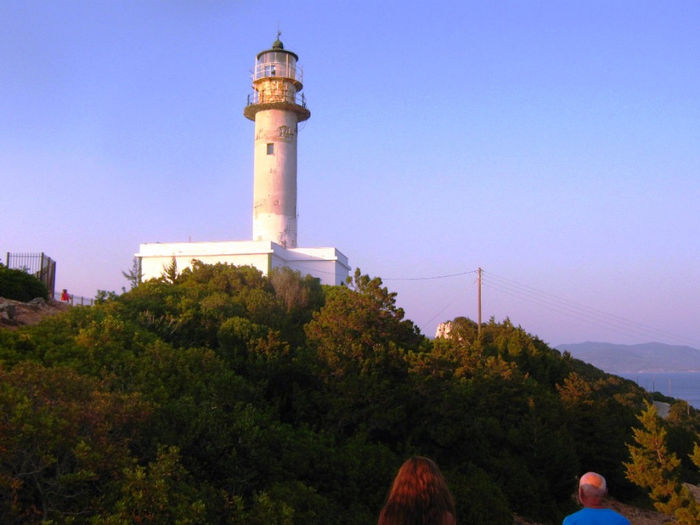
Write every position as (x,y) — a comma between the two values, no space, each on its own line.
(327,264)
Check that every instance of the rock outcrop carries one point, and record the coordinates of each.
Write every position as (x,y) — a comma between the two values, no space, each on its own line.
(17,313)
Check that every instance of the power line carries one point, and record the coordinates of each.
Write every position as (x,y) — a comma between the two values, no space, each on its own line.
(428,278)
(576,310)
(446,276)
(557,304)
(449,303)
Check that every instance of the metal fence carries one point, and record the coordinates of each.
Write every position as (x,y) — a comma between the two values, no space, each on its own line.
(77,300)
(39,265)
(276,95)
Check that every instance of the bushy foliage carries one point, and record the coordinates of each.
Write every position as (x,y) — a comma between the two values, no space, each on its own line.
(20,286)
(217,395)
(62,436)
(654,467)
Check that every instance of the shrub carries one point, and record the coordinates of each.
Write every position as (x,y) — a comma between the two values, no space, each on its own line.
(20,286)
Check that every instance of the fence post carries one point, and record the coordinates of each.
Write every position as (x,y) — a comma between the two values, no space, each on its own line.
(53,280)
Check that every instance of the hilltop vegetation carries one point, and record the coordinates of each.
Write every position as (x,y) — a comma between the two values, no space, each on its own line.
(223,396)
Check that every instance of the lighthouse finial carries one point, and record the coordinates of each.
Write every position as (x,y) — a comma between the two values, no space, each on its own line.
(277,44)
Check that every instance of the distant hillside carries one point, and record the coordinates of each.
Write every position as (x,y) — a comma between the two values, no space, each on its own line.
(647,357)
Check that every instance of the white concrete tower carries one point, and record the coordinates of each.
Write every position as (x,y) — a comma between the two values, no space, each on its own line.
(276,110)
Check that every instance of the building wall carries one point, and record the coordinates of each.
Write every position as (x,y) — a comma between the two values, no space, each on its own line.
(327,264)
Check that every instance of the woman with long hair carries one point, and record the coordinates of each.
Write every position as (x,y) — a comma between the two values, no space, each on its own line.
(419,496)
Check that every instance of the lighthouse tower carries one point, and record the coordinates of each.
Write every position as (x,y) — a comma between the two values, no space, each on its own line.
(276,107)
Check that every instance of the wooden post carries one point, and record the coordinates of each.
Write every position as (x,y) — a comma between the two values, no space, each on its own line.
(478,329)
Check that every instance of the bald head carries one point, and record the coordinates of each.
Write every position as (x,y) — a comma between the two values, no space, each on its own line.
(592,488)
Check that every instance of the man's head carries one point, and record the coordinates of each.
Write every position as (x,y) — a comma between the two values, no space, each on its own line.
(592,489)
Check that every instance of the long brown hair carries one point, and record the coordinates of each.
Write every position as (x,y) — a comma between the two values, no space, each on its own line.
(418,496)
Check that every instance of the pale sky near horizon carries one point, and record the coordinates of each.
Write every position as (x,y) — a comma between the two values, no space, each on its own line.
(555,144)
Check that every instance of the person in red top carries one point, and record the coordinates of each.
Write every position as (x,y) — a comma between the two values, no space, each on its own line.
(64,295)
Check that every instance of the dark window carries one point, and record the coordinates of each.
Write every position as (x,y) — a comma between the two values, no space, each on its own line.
(270,149)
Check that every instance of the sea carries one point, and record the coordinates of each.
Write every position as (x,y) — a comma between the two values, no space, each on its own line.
(681,385)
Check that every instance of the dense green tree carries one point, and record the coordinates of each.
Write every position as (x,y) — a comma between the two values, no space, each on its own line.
(301,296)
(189,310)
(170,272)
(297,293)
(361,338)
(220,395)
(358,322)
(464,330)
(237,337)
(62,437)
(133,274)
(654,468)
(599,426)
(532,355)
(683,427)
(156,494)
(479,499)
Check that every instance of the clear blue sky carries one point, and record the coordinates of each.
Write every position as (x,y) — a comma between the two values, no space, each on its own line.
(555,144)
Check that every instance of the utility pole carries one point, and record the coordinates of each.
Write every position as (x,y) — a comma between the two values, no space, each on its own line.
(478,329)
